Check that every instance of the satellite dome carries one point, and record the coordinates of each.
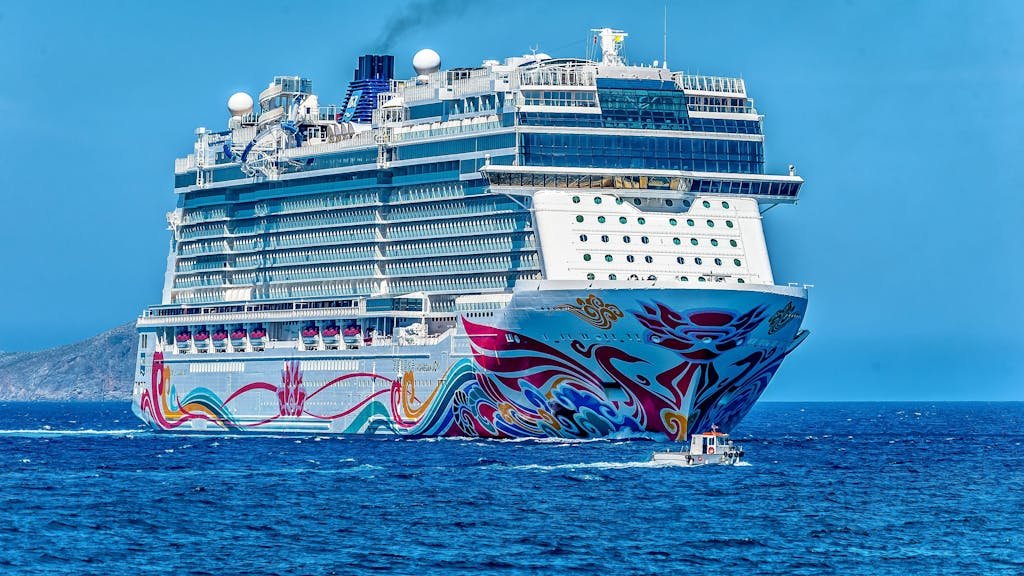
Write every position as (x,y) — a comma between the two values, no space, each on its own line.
(239,104)
(426,61)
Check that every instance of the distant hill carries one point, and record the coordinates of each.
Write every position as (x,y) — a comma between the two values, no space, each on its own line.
(99,368)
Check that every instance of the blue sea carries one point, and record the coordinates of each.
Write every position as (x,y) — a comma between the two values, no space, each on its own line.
(846,488)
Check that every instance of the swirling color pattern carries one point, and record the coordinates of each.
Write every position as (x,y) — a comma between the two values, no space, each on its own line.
(517,386)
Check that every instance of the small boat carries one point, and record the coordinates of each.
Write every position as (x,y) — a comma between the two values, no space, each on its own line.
(712,447)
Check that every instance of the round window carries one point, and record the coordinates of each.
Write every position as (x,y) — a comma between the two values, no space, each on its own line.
(575,199)
(604,238)
(645,239)
(618,200)
(725,205)
(583,237)
(737,262)
(728,223)
(668,202)
(698,261)
(626,239)
(718,261)
(612,277)
(590,276)
(672,222)
(733,243)
(600,219)
(714,242)
(706,204)
(711,223)
(702,279)
(652,277)
(741,281)
(693,241)
(636,201)
(684,279)
(649,259)
(677,241)
(586,257)
(630,258)
(579,218)
(607,257)
(680,260)
(597,199)
(622,219)
(641,221)
(689,222)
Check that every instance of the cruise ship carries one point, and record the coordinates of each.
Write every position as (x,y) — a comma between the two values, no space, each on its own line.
(536,247)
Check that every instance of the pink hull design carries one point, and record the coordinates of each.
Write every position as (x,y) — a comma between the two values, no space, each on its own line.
(583,369)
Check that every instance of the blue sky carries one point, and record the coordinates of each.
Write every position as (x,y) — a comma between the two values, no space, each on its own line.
(904,117)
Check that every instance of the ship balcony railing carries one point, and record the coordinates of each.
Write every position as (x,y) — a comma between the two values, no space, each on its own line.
(458,228)
(421,131)
(710,83)
(467,212)
(457,270)
(425,251)
(721,109)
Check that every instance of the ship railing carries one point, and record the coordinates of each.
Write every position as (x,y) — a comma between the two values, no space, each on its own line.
(710,83)
(454,127)
(185,164)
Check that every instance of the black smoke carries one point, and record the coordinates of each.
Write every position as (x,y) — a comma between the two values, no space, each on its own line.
(417,14)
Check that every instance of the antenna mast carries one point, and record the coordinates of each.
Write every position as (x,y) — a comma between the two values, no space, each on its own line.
(664,45)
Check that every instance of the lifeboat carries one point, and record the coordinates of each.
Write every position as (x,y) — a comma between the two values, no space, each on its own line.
(330,334)
(257,335)
(202,339)
(184,339)
(351,335)
(220,339)
(238,337)
(309,334)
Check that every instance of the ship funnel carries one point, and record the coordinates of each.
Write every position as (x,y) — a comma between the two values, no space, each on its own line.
(610,41)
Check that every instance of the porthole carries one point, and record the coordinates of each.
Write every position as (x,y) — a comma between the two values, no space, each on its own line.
(689,221)
(641,221)
(630,258)
(622,219)
(668,202)
(718,261)
(579,218)
(677,241)
(600,219)
(741,281)
(672,222)
(728,223)
(604,238)
(645,239)
(590,276)
(612,277)
(649,259)
(597,199)
(586,257)
(607,257)
(680,260)
(698,261)
(693,241)
(618,200)
(652,277)
(714,242)
(737,262)
(706,204)
(711,223)
(687,203)
(733,243)
(725,205)
(684,279)
(575,199)
(702,279)
(626,239)
(583,237)
(636,201)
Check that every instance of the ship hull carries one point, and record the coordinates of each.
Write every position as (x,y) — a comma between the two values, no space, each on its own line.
(566,363)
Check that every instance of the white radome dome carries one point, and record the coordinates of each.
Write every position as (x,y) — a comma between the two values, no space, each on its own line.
(240,104)
(426,61)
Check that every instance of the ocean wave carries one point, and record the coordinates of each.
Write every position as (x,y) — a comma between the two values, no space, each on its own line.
(33,432)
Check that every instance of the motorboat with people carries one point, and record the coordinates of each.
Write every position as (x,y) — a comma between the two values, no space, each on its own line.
(712,447)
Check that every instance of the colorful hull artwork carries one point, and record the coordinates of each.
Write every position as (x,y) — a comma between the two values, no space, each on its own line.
(656,363)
